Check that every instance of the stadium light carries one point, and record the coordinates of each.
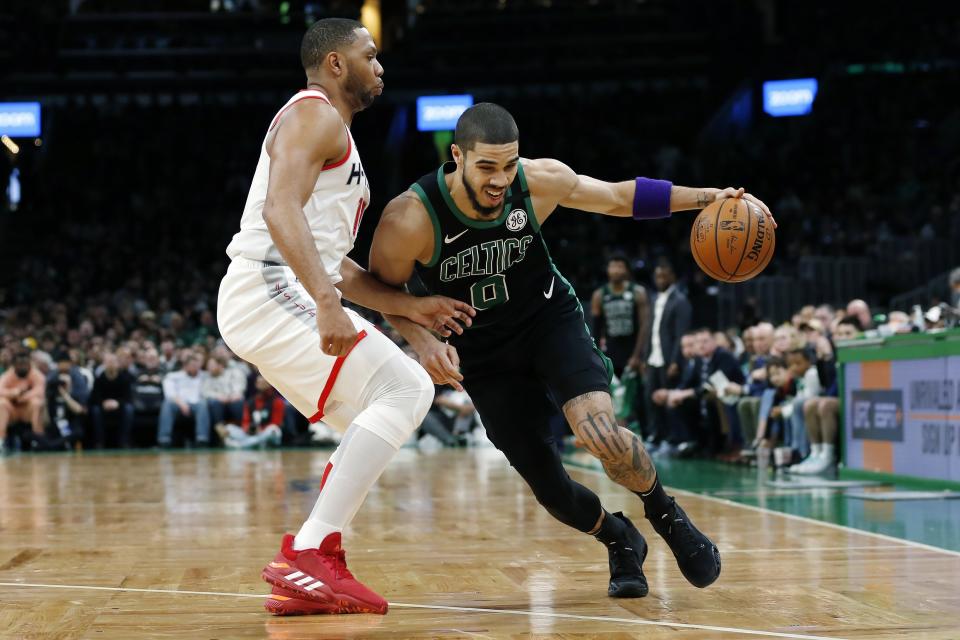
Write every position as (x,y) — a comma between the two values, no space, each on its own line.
(440,113)
(789,97)
(20,119)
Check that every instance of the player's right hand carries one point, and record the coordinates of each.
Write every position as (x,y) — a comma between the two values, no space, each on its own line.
(442,362)
(337,333)
(441,314)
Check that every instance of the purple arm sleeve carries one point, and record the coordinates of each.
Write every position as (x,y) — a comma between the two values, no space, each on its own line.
(651,200)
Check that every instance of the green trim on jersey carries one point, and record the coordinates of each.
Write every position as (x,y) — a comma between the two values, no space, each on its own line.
(528,200)
(607,362)
(417,189)
(461,216)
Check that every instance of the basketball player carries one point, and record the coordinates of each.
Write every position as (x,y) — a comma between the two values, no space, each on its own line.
(471,230)
(621,315)
(279,308)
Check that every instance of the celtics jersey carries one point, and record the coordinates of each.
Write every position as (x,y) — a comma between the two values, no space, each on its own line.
(501,266)
(619,312)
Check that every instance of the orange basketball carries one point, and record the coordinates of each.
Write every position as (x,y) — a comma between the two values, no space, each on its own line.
(732,240)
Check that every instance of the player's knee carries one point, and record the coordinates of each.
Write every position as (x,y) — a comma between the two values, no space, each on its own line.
(399,396)
(423,389)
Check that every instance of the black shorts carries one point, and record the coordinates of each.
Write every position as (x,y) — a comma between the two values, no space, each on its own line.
(619,350)
(517,384)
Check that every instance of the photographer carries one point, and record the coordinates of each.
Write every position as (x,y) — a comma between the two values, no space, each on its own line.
(67,395)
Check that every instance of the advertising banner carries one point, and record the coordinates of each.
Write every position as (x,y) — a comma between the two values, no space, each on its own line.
(903,417)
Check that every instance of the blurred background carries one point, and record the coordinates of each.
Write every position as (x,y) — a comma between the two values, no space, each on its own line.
(117,208)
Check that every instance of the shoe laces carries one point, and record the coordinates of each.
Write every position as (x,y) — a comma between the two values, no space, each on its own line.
(337,562)
(680,530)
(622,555)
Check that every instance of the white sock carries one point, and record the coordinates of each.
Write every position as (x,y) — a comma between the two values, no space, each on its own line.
(828,453)
(816,448)
(356,464)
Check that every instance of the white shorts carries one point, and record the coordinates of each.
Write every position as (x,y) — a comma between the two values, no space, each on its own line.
(267,318)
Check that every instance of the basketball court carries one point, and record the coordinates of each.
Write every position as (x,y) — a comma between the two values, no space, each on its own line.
(149,545)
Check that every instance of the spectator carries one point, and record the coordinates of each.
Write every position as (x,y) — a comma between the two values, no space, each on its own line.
(224,393)
(147,394)
(803,370)
(748,406)
(169,360)
(110,401)
(22,396)
(718,419)
(683,412)
(821,416)
(786,338)
(459,411)
(182,391)
(770,426)
(825,313)
(67,396)
(848,328)
(671,319)
(724,342)
(261,422)
(860,310)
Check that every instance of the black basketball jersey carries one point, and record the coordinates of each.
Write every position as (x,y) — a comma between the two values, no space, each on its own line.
(502,266)
(619,312)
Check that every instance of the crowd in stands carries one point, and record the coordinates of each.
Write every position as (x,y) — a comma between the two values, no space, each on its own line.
(109,265)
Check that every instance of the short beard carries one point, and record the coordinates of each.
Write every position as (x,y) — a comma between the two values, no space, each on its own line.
(486,212)
(360,95)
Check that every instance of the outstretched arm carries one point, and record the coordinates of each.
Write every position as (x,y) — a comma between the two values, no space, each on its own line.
(555,183)
(443,315)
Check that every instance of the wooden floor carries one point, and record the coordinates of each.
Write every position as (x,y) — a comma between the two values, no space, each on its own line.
(171,545)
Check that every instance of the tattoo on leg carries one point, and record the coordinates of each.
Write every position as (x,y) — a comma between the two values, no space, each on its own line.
(620,451)
(602,424)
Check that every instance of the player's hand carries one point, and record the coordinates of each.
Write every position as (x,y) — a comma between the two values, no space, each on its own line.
(635,363)
(442,362)
(730,192)
(337,333)
(660,396)
(442,314)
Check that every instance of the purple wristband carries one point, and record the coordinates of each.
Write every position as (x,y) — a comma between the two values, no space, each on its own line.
(651,200)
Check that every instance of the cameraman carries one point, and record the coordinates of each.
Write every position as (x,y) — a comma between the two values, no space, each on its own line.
(67,395)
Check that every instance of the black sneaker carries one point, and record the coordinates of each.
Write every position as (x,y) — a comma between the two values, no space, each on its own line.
(697,557)
(626,563)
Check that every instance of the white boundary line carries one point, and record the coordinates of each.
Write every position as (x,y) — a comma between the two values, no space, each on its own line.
(874,547)
(789,516)
(437,607)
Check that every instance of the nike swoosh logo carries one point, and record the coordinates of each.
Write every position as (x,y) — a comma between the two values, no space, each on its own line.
(549,292)
(448,239)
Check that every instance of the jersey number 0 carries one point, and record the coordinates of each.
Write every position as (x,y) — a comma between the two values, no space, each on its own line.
(489,292)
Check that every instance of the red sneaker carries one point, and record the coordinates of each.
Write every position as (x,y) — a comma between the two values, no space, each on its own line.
(283,602)
(321,578)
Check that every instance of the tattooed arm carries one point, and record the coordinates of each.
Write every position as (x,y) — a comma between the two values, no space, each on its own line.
(619,450)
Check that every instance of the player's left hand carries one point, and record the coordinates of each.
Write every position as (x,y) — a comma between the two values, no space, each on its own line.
(442,314)
(730,192)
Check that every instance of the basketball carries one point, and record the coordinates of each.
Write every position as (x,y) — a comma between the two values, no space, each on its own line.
(732,240)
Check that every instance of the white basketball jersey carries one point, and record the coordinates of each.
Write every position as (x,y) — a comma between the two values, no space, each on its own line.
(333,211)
